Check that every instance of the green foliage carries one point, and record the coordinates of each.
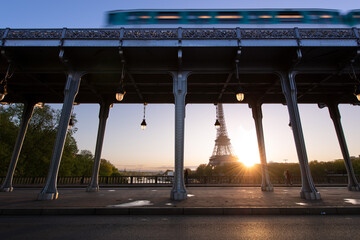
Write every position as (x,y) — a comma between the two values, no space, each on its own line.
(37,148)
(204,170)
(276,170)
(8,132)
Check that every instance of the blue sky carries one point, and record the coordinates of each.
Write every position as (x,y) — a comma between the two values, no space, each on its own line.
(128,147)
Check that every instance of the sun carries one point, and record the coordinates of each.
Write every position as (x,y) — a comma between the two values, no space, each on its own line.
(248,163)
(246,148)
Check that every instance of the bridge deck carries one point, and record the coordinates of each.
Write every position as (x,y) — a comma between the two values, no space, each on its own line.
(209,54)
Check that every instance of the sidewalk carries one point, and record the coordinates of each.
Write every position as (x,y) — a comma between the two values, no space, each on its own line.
(201,200)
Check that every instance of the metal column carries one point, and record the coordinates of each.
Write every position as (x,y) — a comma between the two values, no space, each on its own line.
(257,115)
(25,118)
(103,115)
(353,184)
(50,192)
(178,191)
(308,190)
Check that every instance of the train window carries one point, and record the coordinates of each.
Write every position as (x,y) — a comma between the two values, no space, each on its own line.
(355,18)
(138,17)
(260,17)
(111,18)
(229,17)
(323,17)
(290,17)
(168,17)
(199,17)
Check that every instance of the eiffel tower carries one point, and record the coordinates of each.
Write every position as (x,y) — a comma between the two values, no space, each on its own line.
(223,151)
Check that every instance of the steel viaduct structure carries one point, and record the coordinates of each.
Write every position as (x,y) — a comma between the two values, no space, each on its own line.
(181,66)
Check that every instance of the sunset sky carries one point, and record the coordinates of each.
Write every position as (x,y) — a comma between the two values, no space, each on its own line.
(126,146)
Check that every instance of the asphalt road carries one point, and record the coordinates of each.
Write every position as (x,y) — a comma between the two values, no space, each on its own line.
(179,227)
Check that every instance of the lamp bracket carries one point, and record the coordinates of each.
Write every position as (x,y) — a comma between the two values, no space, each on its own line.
(121,53)
(180,53)
(238,35)
(64,59)
(122,30)
(63,34)
(298,37)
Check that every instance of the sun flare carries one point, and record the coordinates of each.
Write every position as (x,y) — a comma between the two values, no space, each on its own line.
(246,147)
(248,164)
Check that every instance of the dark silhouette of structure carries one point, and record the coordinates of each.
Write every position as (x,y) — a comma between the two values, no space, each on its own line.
(223,151)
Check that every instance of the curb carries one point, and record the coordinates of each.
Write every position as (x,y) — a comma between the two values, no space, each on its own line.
(183,211)
(147,185)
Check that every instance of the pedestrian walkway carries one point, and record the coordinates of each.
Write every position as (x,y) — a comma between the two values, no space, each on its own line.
(201,200)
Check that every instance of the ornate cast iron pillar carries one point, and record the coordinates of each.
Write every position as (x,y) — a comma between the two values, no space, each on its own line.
(308,190)
(353,184)
(25,118)
(50,192)
(257,115)
(178,191)
(103,115)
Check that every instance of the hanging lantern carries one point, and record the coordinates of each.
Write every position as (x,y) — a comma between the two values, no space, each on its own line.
(120,93)
(143,124)
(240,94)
(217,124)
(40,105)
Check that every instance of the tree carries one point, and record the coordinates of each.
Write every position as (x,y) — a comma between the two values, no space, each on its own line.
(204,170)
(107,169)
(8,132)
(37,149)
(35,155)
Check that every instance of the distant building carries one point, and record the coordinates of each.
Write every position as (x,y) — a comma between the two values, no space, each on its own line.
(169,173)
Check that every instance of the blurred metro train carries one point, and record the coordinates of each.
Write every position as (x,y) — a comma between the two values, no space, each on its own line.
(245,18)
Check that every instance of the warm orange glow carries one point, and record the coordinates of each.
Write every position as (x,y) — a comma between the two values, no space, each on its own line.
(326,16)
(248,164)
(204,17)
(40,105)
(119,96)
(168,17)
(228,16)
(356,16)
(240,96)
(265,16)
(289,16)
(246,147)
(145,17)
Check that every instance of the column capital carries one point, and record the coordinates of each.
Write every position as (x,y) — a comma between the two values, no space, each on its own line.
(180,81)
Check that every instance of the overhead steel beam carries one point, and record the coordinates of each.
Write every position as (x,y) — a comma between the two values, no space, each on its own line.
(224,87)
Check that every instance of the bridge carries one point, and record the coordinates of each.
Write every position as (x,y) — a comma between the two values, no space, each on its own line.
(181,66)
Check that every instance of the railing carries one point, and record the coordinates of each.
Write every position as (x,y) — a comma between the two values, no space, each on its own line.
(178,33)
(168,180)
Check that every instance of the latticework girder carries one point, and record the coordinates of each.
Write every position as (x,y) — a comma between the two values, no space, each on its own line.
(223,151)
